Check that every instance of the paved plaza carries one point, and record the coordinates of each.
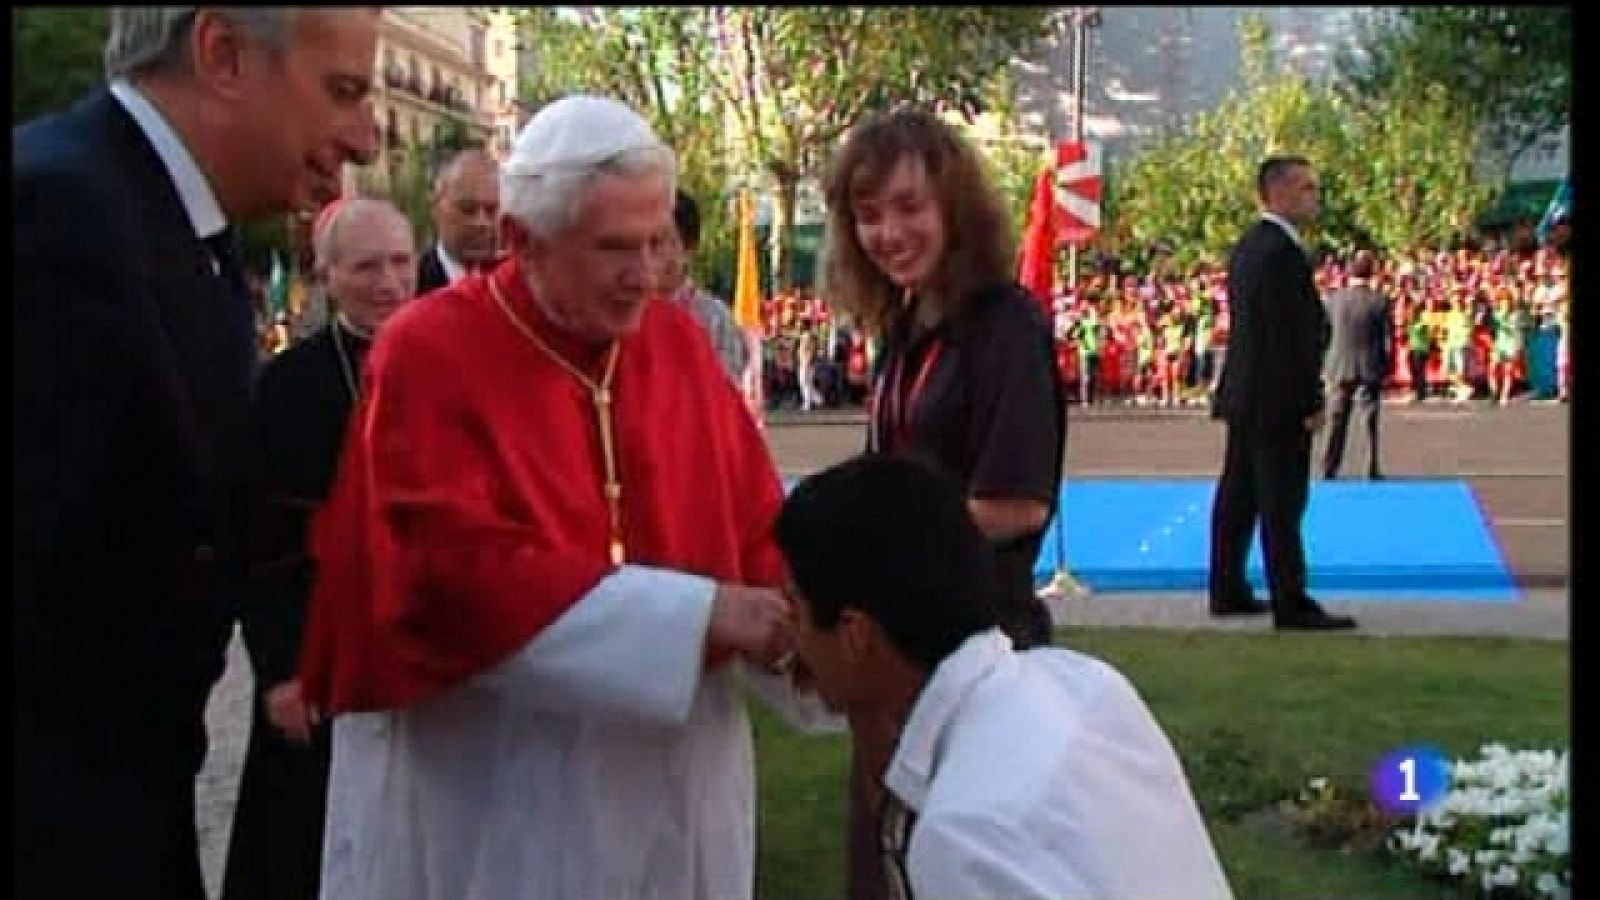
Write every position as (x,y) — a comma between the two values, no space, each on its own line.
(1514,458)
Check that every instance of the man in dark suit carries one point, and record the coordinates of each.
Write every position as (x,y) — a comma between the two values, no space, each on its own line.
(1357,362)
(134,347)
(1271,397)
(466,212)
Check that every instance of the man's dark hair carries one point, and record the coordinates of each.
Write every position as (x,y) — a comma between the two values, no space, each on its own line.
(892,538)
(1274,168)
(686,216)
(1363,264)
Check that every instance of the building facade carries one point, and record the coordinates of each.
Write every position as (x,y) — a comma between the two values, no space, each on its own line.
(440,69)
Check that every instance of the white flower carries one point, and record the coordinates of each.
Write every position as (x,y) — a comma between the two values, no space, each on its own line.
(1428,847)
(1459,862)
(1505,876)
(1547,883)
(1319,784)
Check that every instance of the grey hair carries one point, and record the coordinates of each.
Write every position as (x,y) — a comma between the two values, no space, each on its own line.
(546,201)
(325,243)
(155,38)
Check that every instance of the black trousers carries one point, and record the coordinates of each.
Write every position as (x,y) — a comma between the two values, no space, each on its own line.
(88,828)
(1419,374)
(1347,395)
(1266,476)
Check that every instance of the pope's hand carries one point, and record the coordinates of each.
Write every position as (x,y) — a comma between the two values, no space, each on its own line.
(750,621)
(287,709)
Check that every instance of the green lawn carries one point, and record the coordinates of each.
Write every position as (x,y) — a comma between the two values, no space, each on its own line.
(1254,717)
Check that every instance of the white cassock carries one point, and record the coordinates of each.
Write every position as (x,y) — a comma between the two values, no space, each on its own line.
(600,762)
(1042,774)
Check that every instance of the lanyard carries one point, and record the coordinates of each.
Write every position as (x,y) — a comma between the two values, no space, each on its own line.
(892,405)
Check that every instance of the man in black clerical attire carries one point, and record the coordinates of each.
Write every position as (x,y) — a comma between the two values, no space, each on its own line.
(303,399)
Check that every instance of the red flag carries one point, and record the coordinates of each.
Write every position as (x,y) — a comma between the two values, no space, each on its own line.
(1036,268)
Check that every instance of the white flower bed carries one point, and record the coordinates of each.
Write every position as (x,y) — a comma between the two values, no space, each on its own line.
(1503,826)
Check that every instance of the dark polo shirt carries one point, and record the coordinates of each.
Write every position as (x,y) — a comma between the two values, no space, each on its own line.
(979,396)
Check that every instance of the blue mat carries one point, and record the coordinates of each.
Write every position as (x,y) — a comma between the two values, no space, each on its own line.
(1395,540)
(1390,540)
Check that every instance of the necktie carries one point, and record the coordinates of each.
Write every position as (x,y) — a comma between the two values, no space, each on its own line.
(241,315)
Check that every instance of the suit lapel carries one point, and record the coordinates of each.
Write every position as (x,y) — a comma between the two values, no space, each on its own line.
(188,306)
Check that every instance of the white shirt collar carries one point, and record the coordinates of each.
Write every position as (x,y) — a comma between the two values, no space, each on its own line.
(1283,223)
(453,270)
(199,201)
(910,772)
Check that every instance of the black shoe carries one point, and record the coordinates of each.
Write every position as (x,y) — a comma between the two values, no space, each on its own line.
(1375,476)
(1311,618)
(1244,606)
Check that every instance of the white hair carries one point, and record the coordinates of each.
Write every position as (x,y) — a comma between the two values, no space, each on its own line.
(155,38)
(546,200)
(325,243)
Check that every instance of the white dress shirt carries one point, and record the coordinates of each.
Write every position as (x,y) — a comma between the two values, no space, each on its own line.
(1043,775)
(194,189)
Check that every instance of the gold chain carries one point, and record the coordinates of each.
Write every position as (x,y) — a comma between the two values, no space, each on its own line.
(600,394)
(345,369)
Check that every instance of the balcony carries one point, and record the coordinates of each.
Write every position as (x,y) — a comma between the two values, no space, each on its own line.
(437,98)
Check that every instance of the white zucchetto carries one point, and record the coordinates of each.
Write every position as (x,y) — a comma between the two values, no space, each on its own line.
(577,131)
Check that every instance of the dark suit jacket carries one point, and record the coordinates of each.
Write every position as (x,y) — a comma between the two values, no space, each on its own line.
(132,366)
(1360,335)
(430,271)
(1271,380)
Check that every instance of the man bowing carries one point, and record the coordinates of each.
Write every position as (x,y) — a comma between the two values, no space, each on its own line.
(534,590)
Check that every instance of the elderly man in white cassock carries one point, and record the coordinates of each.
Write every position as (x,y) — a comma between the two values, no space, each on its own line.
(546,565)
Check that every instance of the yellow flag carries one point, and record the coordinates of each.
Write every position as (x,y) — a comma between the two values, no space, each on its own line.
(747,278)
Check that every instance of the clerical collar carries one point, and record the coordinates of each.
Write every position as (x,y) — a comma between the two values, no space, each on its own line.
(194,190)
(351,329)
(1283,223)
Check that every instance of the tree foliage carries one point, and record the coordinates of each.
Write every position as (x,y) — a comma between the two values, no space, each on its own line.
(760,96)
(1508,68)
(652,59)
(55,56)
(1394,173)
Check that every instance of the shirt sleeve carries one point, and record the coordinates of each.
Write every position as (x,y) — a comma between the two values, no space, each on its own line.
(1017,415)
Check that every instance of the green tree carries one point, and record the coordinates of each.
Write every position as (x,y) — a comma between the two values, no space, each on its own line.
(1508,67)
(1396,170)
(796,78)
(56,56)
(651,58)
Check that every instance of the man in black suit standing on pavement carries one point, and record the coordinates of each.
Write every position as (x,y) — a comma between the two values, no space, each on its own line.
(1271,397)
(1357,362)
(134,348)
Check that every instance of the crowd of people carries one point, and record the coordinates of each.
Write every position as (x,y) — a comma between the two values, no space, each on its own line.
(1481,322)
(1472,322)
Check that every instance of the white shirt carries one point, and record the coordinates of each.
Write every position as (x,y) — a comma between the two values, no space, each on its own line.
(1043,775)
(199,201)
(453,270)
(1283,223)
